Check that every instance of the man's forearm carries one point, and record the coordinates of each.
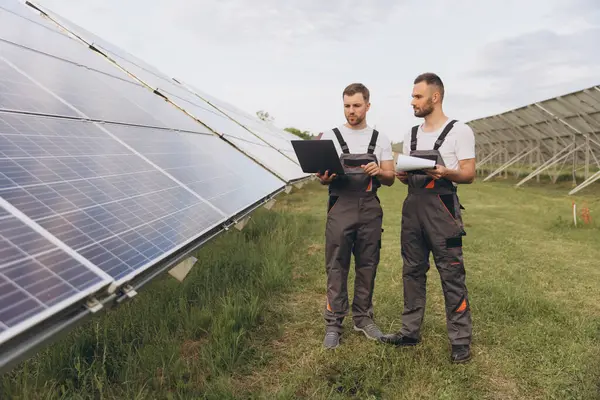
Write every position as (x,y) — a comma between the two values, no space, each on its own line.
(459,176)
(387,177)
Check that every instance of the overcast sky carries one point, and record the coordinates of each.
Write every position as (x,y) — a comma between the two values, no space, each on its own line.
(293,58)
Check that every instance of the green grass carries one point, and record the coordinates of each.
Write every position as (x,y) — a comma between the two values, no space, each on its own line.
(247,321)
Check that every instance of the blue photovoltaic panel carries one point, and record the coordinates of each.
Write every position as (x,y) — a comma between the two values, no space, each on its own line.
(95,195)
(86,204)
(210,116)
(271,149)
(37,278)
(206,164)
(29,30)
(98,96)
(263,147)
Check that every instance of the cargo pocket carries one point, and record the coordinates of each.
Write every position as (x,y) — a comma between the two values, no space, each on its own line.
(448,202)
(452,206)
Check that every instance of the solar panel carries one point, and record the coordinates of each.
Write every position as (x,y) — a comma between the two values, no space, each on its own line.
(275,136)
(264,151)
(20,94)
(22,29)
(191,156)
(273,159)
(552,133)
(97,96)
(102,182)
(99,197)
(271,149)
(37,277)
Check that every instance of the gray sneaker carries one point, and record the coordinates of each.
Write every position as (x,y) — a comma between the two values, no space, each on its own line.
(371,331)
(332,340)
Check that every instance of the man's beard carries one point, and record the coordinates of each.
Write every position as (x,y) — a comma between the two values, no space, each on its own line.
(357,120)
(425,111)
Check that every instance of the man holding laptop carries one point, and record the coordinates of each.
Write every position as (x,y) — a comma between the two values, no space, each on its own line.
(354,216)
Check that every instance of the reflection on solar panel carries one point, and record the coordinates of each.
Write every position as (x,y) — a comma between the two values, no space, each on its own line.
(190,158)
(104,184)
(544,137)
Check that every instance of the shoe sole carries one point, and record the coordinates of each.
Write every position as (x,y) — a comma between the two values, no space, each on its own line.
(365,332)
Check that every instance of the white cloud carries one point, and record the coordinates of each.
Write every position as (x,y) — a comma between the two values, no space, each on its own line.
(294,58)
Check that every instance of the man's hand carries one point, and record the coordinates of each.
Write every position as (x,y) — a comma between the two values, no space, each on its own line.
(402,176)
(464,174)
(383,172)
(326,179)
(371,169)
(439,172)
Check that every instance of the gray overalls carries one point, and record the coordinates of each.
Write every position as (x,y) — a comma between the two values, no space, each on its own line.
(354,220)
(432,222)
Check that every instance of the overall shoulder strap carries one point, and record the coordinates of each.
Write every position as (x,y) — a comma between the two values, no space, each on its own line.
(373,142)
(442,137)
(340,139)
(413,138)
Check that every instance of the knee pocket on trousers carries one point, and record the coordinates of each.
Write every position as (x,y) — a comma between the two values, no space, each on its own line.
(462,306)
(453,242)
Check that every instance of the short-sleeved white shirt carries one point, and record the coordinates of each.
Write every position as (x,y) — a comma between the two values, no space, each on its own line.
(358,142)
(458,145)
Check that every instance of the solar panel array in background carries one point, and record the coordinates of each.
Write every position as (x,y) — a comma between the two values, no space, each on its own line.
(264,143)
(100,178)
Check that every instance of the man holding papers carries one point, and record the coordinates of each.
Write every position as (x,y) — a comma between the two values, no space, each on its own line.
(354,216)
(431,217)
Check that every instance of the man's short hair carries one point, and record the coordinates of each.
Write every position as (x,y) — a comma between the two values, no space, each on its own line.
(354,88)
(431,79)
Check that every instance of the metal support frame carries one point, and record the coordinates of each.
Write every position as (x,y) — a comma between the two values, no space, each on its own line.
(550,163)
(551,136)
(510,162)
(586,183)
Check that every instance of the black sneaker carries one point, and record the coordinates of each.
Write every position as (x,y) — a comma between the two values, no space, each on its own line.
(461,353)
(398,340)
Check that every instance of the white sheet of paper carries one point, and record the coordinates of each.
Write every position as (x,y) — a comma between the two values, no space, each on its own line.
(410,163)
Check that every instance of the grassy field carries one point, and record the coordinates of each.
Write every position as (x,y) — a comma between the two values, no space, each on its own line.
(247,323)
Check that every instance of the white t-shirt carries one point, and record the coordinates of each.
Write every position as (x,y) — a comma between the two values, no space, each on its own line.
(358,142)
(458,145)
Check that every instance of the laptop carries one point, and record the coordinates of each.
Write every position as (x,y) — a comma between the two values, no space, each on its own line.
(318,156)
